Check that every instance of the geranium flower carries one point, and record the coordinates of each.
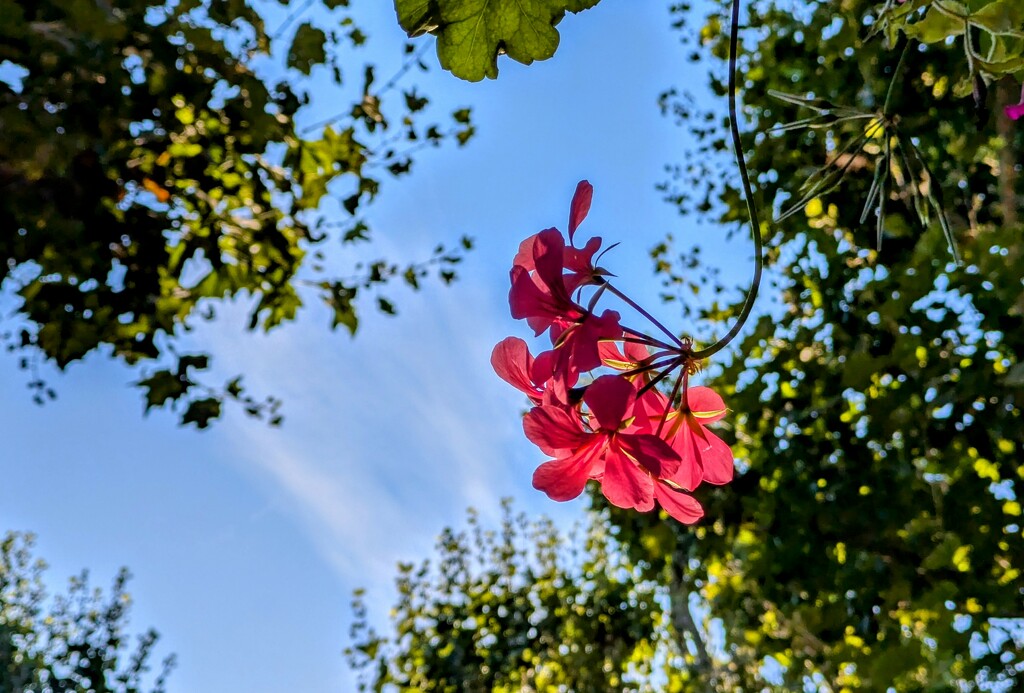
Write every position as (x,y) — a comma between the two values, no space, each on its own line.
(543,299)
(626,463)
(578,261)
(513,362)
(705,456)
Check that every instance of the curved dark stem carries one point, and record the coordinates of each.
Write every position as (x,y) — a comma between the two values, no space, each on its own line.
(892,82)
(652,366)
(635,306)
(649,340)
(672,365)
(671,401)
(755,224)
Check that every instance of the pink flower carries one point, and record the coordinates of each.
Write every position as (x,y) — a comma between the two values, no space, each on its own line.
(1015,111)
(705,456)
(513,362)
(630,357)
(539,293)
(578,261)
(542,297)
(626,464)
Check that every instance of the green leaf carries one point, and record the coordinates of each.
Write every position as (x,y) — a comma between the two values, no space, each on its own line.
(936,27)
(201,412)
(163,386)
(1000,17)
(472,33)
(307,48)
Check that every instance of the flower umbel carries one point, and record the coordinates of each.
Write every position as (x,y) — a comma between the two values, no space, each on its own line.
(645,448)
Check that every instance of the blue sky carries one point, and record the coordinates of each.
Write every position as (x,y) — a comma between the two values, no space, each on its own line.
(245,541)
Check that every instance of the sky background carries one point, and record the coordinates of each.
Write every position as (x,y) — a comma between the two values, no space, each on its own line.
(246,542)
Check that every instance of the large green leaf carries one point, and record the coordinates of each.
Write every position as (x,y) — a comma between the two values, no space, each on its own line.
(472,33)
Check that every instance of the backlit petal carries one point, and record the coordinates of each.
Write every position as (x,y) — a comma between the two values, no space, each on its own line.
(716,459)
(625,485)
(580,206)
(681,506)
(565,479)
(610,398)
(512,361)
(650,452)
(706,404)
(554,430)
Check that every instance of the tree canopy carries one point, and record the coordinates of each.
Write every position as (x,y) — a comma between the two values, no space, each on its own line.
(76,642)
(153,166)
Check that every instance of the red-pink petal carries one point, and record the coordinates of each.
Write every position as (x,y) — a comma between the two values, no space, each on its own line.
(529,298)
(610,398)
(706,404)
(580,206)
(512,361)
(681,506)
(1013,112)
(586,354)
(549,257)
(650,452)
(690,472)
(650,407)
(524,257)
(625,485)
(554,430)
(581,260)
(565,479)
(716,459)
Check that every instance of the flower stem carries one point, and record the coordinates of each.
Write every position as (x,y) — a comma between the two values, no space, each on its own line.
(649,340)
(895,76)
(635,306)
(653,365)
(671,400)
(755,224)
(679,361)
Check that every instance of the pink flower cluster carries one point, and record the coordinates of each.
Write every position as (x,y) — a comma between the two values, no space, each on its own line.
(643,447)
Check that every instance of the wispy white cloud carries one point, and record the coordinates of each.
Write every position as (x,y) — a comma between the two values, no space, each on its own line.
(388,437)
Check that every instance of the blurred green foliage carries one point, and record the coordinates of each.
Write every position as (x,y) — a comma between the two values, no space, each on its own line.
(71,643)
(151,168)
(522,608)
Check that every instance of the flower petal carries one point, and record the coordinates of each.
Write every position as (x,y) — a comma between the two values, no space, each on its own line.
(512,361)
(610,398)
(706,404)
(690,472)
(565,479)
(524,257)
(592,329)
(650,452)
(554,430)
(681,506)
(715,458)
(580,206)
(625,485)
(549,257)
